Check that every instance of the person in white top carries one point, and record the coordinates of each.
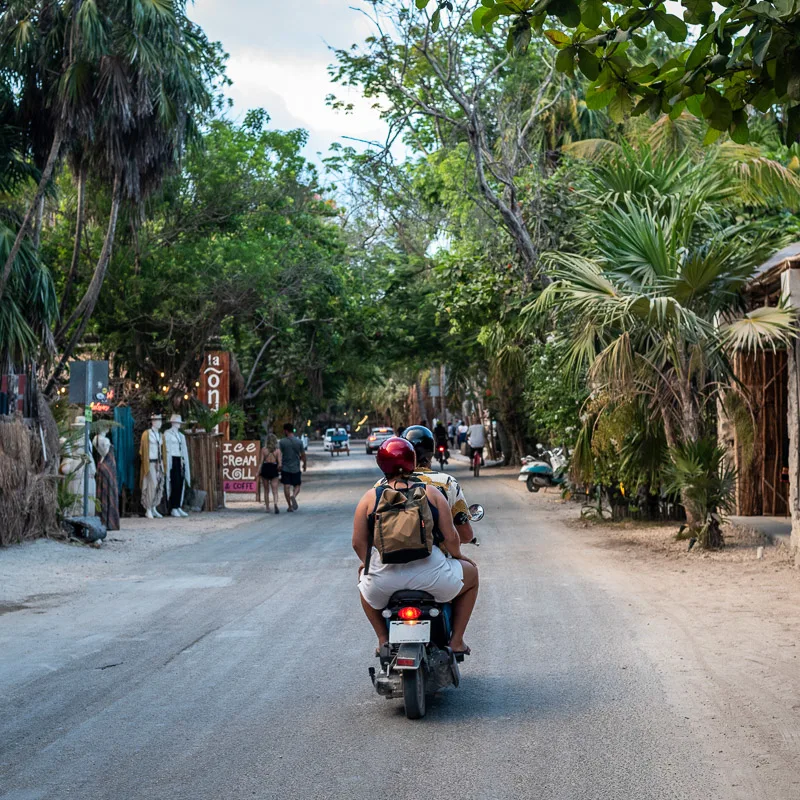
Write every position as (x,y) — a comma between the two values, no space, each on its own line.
(476,438)
(461,432)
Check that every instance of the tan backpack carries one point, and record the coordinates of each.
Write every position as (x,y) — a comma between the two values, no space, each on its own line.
(401,526)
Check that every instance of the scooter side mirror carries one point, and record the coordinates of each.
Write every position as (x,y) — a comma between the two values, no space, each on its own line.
(540,446)
(476,512)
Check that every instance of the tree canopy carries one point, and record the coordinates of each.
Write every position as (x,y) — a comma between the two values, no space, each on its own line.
(731,59)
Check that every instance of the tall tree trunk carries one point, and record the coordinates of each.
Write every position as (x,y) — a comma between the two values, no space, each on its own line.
(442,400)
(89,299)
(47,174)
(76,246)
(37,228)
(86,307)
(420,402)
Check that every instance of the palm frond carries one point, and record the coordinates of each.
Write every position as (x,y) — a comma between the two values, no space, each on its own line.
(590,149)
(765,327)
(759,181)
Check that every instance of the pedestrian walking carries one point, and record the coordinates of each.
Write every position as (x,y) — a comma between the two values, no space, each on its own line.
(476,438)
(292,454)
(271,462)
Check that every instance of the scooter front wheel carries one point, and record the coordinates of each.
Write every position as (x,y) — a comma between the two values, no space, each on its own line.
(414,693)
(531,484)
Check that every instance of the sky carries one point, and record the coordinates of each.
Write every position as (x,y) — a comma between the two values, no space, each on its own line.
(278,58)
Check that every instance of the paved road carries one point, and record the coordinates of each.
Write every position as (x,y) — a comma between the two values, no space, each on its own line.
(237,668)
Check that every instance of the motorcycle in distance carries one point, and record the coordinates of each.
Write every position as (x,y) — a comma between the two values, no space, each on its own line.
(546,468)
(442,455)
(418,662)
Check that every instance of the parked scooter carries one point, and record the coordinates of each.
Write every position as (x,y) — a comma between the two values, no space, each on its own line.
(418,662)
(547,468)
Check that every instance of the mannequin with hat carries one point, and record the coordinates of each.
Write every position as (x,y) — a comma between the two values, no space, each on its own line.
(178,473)
(153,461)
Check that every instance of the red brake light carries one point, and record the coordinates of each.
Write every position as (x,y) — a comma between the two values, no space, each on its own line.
(405,662)
(409,612)
(441,449)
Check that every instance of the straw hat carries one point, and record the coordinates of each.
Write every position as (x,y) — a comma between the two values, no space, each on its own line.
(176,418)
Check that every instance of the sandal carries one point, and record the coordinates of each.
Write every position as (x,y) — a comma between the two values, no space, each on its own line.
(459,654)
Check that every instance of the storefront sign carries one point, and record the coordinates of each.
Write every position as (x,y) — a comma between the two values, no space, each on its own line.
(240,466)
(215,384)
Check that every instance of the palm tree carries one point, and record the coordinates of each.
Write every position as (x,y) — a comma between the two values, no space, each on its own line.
(149,87)
(652,303)
(28,308)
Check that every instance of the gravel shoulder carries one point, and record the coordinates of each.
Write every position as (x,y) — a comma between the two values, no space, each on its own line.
(724,626)
(44,569)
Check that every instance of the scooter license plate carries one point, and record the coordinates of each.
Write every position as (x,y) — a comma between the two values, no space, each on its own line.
(405,632)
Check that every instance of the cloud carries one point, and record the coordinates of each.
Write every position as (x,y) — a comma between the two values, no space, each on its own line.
(279,54)
(293,91)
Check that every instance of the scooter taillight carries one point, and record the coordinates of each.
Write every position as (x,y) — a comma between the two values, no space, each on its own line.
(405,662)
(409,613)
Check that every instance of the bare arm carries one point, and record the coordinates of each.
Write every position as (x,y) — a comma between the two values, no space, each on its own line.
(279,458)
(360,527)
(465,532)
(451,540)
(303,457)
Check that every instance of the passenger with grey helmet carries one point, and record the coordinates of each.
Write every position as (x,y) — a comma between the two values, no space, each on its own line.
(424,445)
(446,579)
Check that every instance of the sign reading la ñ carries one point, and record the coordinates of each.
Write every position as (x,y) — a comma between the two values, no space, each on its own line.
(215,385)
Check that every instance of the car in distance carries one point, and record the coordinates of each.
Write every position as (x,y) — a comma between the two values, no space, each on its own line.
(377,437)
(328,442)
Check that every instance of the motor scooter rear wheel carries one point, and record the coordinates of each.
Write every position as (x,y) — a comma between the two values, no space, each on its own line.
(531,484)
(414,693)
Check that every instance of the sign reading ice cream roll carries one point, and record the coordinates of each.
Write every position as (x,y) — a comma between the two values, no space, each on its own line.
(240,466)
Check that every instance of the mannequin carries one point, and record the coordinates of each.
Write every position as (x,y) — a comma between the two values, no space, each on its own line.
(72,467)
(107,487)
(153,456)
(178,474)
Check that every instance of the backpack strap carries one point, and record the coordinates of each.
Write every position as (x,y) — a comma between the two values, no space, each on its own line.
(379,490)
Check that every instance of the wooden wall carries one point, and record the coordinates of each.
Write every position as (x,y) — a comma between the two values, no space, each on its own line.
(762,486)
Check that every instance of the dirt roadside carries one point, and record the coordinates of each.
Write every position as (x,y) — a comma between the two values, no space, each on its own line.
(724,626)
(44,568)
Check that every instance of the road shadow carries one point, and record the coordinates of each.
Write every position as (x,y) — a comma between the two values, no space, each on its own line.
(507,697)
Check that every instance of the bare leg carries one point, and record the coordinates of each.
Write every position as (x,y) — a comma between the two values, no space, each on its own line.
(287,493)
(463,605)
(274,487)
(297,490)
(376,620)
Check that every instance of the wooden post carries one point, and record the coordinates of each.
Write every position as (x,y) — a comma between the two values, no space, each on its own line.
(790,289)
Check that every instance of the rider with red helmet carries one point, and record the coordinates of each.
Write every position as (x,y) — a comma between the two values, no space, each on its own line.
(447,579)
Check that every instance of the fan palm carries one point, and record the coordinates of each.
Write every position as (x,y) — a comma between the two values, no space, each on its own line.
(654,307)
(28,308)
(700,470)
(148,89)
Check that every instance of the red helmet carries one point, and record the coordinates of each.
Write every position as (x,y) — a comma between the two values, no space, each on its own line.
(396,456)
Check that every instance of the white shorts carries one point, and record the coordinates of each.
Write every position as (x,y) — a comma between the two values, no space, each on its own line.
(439,576)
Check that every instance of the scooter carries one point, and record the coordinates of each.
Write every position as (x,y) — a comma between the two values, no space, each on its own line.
(417,661)
(547,468)
(442,455)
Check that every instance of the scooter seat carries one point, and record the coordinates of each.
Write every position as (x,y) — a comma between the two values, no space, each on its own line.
(409,596)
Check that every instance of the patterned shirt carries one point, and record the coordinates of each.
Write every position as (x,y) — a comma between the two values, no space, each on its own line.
(448,486)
